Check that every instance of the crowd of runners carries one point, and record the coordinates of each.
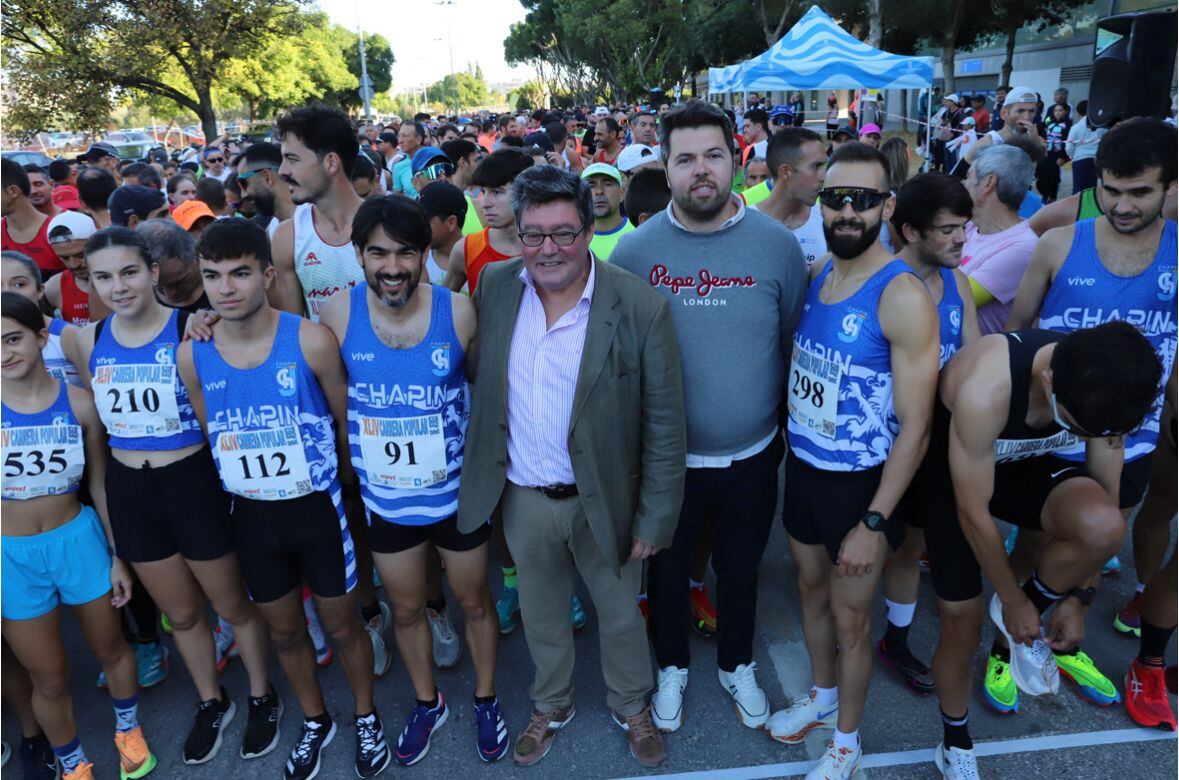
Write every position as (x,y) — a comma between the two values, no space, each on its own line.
(271,399)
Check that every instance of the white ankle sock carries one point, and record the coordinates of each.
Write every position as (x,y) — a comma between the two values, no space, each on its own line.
(900,615)
(825,697)
(850,741)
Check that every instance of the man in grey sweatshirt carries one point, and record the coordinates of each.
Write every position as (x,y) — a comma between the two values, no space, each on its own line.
(736,281)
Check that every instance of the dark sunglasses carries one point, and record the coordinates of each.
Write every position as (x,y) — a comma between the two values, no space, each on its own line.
(214,159)
(860,198)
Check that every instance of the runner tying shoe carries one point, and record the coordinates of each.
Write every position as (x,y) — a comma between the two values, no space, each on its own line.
(1120,266)
(1007,404)
(258,390)
(56,550)
(169,516)
(404,345)
(861,385)
(930,220)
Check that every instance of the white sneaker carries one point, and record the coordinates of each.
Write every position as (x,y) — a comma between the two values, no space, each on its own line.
(447,647)
(803,716)
(382,658)
(384,621)
(836,763)
(667,705)
(955,763)
(1033,668)
(753,708)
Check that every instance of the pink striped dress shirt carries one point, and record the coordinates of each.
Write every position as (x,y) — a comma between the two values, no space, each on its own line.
(543,364)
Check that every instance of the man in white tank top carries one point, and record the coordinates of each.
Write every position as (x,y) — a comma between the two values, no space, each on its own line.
(313,251)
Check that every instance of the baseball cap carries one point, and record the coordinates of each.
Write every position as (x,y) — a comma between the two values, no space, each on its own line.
(633,156)
(780,111)
(952,96)
(98,150)
(442,199)
(387,137)
(844,130)
(968,121)
(870,128)
(539,139)
(133,199)
(66,197)
(188,212)
(602,169)
(426,155)
(1021,95)
(70,226)
(601,111)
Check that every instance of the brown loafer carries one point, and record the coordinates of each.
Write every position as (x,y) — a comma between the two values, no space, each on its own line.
(537,737)
(645,741)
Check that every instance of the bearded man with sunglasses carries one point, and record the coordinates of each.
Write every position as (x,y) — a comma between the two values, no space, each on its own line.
(860,397)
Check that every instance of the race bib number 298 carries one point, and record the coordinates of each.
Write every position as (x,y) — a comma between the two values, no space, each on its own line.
(814,383)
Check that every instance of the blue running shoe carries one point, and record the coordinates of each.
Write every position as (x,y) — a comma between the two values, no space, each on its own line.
(151,660)
(491,731)
(508,607)
(414,742)
(577,615)
(1112,567)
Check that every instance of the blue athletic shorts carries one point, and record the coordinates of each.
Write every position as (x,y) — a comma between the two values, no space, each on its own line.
(68,565)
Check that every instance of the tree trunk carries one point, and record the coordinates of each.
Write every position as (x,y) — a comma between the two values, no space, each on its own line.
(206,113)
(875,25)
(947,64)
(1008,60)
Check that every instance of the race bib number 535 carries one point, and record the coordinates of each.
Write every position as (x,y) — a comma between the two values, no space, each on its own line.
(41,460)
(814,391)
(403,452)
(265,465)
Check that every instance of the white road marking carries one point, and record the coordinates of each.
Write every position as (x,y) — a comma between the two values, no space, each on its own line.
(904,757)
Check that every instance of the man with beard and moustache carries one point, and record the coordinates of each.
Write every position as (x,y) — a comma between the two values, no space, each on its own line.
(608,141)
(269,391)
(1120,266)
(314,260)
(930,220)
(257,173)
(41,191)
(797,160)
(23,227)
(609,224)
(861,387)
(736,282)
(396,333)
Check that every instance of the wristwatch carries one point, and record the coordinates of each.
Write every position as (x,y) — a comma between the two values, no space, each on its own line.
(874,520)
(1083,595)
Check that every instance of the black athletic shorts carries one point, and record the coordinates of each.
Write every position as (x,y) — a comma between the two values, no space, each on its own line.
(823,506)
(1135,479)
(386,537)
(179,508)
(281,544)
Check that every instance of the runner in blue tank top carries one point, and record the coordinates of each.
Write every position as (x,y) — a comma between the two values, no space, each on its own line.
(929,221)
(20,274)
(269,389)
(55,550)
(1119,266)
(169,515)
(860,390)
(404,345)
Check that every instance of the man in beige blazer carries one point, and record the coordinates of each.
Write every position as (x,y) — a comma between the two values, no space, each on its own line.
(577,434)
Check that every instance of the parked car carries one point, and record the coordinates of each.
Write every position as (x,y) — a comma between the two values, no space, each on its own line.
(25,157)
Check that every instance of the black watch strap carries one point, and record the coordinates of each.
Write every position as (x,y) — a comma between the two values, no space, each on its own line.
(874,520)
(1083,595)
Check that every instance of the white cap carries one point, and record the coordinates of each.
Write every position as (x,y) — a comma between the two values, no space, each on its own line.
(953,96)
(601,111)
(634,155)
(968,120)
(70,226)
(1021,95)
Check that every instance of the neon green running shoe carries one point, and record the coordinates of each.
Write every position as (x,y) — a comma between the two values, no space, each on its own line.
(1091,684)
(165,624)
(999,691)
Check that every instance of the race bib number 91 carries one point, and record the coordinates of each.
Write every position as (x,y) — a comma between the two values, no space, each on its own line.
(814,391)
(403,452)
(137,401)
(268,465)
(41,460)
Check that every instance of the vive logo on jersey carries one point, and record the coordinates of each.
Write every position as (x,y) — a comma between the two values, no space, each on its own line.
(440,358)
(1166,284)
(220,384)
(850,326)
(955,320)
(286,380)
(1081,281)
(364,357)
(166,355)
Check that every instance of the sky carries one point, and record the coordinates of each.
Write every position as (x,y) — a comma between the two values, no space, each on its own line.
(417,34)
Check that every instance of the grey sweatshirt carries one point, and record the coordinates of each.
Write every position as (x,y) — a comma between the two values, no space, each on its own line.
(736,295)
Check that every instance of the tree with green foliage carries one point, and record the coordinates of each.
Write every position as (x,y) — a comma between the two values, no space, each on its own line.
(379,59)
(469,90)
(69,61)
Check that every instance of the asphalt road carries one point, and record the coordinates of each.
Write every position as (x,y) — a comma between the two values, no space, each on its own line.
(711,744)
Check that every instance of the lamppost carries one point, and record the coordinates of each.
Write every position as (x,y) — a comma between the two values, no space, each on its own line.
(366,85)
(444,4)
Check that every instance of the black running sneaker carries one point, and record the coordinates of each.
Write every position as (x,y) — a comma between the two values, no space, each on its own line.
(915,674)
(205,738)
(262,725)
(37,761)
(304,761)
(372,751)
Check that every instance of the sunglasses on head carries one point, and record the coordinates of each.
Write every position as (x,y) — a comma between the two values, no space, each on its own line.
(860,198)
(437,171)
(244,177)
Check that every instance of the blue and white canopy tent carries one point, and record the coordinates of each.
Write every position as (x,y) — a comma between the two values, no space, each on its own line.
(819,54)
